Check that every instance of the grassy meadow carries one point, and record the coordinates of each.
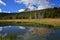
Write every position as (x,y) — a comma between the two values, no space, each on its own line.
(54,22)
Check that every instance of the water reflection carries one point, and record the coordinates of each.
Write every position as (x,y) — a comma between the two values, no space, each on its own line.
(55,35)
(12,29)
(28,33)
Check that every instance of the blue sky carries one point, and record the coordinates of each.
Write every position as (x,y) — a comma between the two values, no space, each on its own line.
(55,2)
(21,5)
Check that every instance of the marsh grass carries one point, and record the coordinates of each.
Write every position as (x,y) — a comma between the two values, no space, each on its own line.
(50,23)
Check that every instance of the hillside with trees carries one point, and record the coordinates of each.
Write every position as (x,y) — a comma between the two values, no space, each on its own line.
(36,14)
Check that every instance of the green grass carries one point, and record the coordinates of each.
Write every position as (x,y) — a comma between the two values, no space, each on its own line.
(33,22)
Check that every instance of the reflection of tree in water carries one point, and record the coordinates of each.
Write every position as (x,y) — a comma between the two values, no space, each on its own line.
(20,38)
(35,36)
(29,35)
(38,37)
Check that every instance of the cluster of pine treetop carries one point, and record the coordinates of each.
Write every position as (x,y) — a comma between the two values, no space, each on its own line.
(36,14)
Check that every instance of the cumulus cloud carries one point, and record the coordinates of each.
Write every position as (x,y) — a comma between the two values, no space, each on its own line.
(3,3)
(31,7)
(41,4)
(40,7)
(21,10)
(0,10)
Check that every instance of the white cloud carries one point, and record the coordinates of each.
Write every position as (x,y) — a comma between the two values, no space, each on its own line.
(40,7)
(7,11)
(21,10)
(0,10)
(42,4)
(31,7)
(3,3)
(1,28)
(22,27)
(4,11)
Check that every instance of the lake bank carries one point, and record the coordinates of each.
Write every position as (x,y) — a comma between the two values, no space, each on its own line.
(50,23)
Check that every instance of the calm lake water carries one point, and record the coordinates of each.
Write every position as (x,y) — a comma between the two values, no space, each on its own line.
(28,33)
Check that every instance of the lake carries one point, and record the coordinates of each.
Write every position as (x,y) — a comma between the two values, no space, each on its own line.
(28,33)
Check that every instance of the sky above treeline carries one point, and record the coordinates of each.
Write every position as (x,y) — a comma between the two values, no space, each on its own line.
(21,5)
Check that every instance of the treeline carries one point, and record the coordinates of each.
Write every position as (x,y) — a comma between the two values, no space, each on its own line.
(37,14)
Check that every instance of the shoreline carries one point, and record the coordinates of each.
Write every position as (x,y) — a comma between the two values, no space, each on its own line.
(53,23)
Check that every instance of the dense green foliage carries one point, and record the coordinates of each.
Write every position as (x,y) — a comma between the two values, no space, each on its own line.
(45,13)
